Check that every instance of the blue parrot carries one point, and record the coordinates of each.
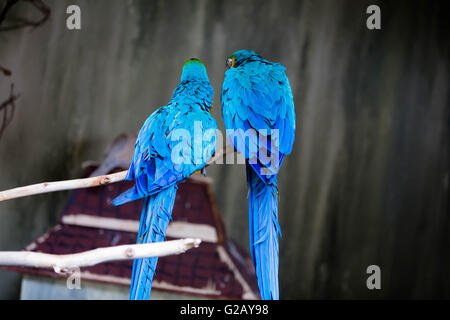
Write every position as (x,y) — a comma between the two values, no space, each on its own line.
(258,112)
(175,141)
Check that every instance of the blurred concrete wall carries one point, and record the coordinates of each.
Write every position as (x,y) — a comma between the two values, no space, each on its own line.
(367,182)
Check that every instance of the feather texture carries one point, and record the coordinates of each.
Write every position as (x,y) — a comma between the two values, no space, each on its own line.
(155,217)
(258,111)
(175,141)
(264,232)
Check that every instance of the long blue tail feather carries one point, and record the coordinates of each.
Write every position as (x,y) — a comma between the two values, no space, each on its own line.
(264,232)
(155,217)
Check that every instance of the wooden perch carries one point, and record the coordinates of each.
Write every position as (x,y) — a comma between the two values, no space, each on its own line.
(47,187)
(61,185)
(66,263)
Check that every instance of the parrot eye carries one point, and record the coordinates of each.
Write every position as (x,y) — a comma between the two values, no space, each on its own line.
(230,62)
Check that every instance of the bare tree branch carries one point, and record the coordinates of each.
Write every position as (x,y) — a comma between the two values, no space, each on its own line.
(47,187)
(5,71)
(9,4)
(22,22)
(8,108)
(68,262)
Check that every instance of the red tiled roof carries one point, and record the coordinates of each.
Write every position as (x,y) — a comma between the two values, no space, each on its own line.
(219,269)
(192,203)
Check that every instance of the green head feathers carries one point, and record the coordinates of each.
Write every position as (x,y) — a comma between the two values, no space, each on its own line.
(193,61)
(194,69)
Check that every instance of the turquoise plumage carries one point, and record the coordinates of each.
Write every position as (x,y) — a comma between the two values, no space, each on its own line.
(258,112)
(176,140)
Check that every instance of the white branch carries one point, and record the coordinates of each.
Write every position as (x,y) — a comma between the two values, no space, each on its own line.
(65,263)
(47,187)
(61,185)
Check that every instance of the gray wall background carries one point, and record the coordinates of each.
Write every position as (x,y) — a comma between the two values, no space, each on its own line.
(367,182)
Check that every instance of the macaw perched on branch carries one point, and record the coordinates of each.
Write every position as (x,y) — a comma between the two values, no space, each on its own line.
(176,140)
(258,112)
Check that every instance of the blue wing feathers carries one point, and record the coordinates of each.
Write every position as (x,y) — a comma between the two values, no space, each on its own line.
(127,196)
(153,169)
(257,95)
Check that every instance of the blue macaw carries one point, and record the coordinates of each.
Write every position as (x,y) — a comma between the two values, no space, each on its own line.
(175,141)
(258,112)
